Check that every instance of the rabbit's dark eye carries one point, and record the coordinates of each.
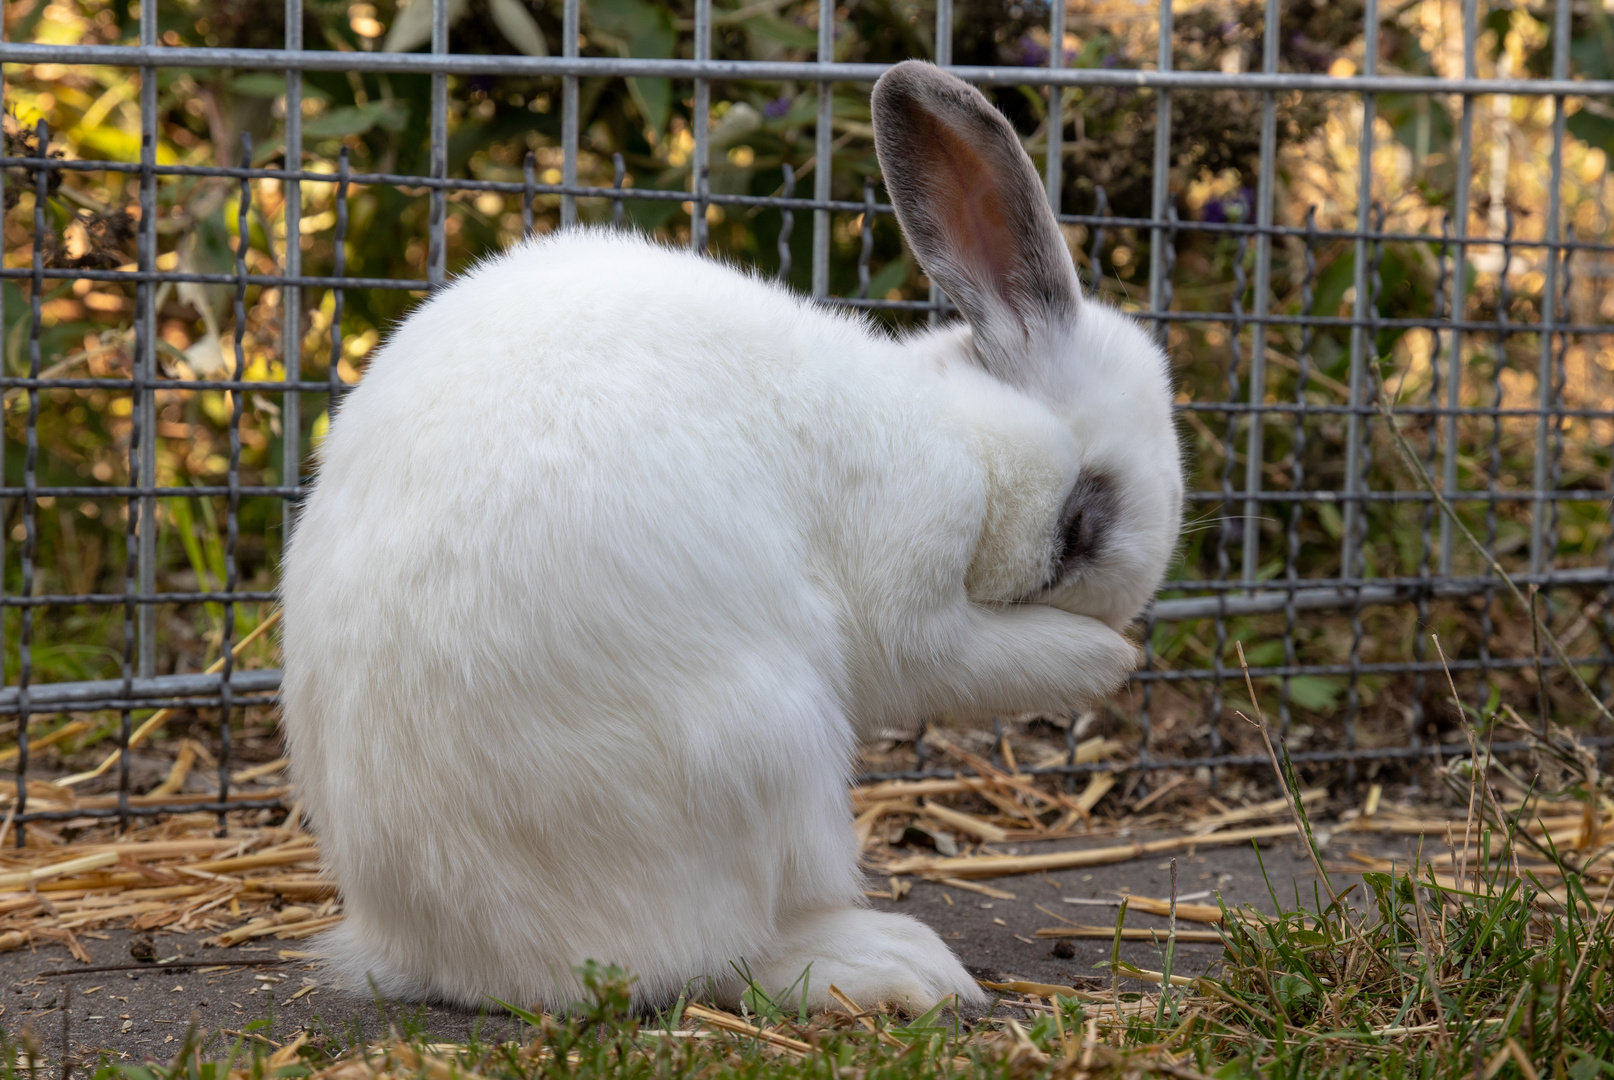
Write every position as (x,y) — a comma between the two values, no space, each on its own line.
(1078,538)
(1089,511)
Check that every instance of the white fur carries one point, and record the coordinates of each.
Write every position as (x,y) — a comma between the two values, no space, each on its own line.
(615,555)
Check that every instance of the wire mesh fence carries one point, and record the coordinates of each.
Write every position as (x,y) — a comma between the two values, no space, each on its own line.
(1442,226)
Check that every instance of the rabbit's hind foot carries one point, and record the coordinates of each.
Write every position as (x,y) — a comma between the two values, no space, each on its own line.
(873,957)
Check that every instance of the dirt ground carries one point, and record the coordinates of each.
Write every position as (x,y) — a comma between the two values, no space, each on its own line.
(144,1013)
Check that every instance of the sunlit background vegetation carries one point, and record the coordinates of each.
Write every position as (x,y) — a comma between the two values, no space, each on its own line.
(757,128)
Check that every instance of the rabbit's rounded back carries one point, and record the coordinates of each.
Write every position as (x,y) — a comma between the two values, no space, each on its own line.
(569,661)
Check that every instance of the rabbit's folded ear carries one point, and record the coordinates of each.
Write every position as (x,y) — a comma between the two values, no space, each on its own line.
(973,209)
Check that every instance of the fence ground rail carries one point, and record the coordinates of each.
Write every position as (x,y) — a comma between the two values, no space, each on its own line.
(1444,225)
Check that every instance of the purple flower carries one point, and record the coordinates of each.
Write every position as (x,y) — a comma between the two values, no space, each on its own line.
(1231,208)
(776,108)
(1032,52)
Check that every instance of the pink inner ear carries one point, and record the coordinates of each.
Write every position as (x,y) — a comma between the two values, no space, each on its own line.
(965,191)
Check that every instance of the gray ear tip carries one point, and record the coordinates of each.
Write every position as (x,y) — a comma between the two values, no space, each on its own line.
(911,78)
(911,68)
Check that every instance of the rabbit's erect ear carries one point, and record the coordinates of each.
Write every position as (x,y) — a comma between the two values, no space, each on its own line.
(973,209)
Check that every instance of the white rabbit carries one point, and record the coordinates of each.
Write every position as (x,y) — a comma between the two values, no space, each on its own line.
(617,553)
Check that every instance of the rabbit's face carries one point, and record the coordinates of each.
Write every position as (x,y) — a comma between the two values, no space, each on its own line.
(1092,531)
(1117,526)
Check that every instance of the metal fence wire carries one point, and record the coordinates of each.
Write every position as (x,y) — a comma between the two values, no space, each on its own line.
(1307,541)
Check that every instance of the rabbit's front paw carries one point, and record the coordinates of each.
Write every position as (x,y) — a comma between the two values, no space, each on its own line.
(1104,657)
(873,957)
(1058,659)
